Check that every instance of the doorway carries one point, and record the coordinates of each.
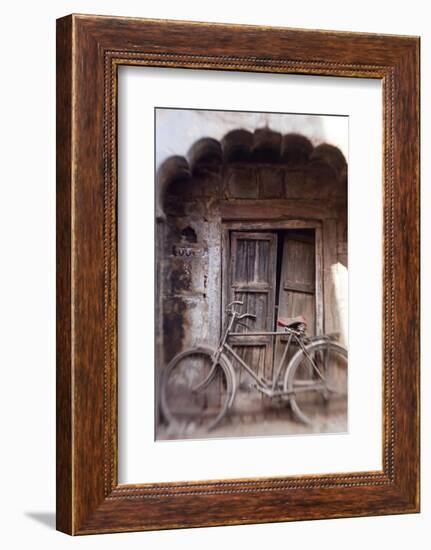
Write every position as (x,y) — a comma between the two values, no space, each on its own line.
(276,272)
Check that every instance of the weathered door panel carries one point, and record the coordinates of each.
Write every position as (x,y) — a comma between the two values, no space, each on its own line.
(297,287)
(298,278)
(252,280)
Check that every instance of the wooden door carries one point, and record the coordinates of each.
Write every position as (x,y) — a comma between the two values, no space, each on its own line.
(297,294)
(252,280)
(297,287)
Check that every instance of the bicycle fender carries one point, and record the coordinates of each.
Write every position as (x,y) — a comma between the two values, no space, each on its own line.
(223,359)
(203,349)
(309,347)
(229,366)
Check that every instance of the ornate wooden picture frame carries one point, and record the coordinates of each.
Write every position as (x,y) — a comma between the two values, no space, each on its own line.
(89,51)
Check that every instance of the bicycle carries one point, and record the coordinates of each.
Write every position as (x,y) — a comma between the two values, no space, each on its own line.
(198,386)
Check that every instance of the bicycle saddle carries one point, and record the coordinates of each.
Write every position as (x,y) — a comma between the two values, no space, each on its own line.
(291,322)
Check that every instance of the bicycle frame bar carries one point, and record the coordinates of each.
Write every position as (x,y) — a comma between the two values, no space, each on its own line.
(262,333)
(242,362)
(261,382)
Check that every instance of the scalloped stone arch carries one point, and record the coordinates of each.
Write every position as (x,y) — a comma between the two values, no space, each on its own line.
(240,146)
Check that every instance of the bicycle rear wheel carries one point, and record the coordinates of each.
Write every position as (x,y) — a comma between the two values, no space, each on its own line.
(195,393)
(316,382)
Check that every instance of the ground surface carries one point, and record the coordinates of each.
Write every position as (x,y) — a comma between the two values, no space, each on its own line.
(275,420)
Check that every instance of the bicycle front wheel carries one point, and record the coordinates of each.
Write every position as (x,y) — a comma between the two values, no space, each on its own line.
(195,393)
(316,383)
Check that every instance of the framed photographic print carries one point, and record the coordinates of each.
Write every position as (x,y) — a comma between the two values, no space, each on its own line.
(237,274)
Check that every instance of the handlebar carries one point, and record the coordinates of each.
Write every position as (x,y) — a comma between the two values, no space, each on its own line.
(233,312)
(244,315)
(235,302)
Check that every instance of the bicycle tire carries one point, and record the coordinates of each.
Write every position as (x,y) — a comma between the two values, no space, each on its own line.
(326,396)
(191,404)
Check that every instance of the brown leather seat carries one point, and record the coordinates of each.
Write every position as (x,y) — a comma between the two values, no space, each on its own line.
(291,322)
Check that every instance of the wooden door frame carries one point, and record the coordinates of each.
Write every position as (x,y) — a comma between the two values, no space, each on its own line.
(270,225)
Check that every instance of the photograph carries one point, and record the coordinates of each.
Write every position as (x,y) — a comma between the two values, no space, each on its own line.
(251,255)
